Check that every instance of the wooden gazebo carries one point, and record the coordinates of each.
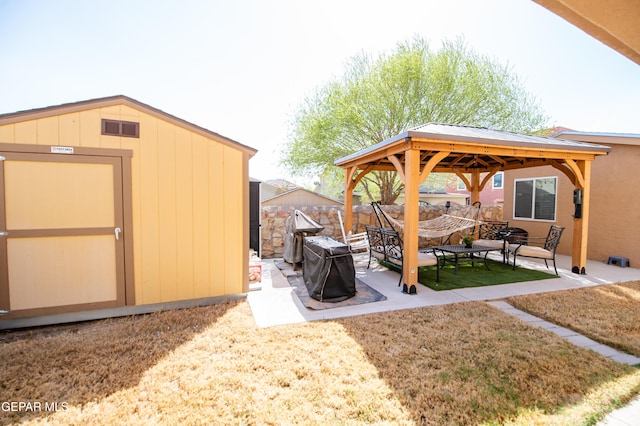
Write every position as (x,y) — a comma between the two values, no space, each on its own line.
(462,150)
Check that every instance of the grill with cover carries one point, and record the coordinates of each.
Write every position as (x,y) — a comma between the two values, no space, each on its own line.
(297,226)
(328,269)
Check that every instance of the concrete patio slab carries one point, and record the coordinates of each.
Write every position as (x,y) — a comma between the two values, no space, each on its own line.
(276,303)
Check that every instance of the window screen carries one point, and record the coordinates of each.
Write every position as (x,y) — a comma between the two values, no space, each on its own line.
(497,180)
(535,198)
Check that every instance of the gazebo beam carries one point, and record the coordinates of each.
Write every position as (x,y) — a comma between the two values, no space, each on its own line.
(498,150)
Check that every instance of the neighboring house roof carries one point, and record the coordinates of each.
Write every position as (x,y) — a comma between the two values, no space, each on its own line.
(297,191)
(600,137)
(69,108)
(268,191)
(553,131)
(281,184)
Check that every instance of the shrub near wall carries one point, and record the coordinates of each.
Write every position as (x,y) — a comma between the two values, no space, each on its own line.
(275,217)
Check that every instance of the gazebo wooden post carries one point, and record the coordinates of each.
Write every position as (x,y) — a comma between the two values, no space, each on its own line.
(411,217)
(475,185)
(348,201)
(581,225)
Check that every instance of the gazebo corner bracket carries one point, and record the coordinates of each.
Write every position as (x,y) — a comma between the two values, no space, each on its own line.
(398,165)
(431,164)
(354,178)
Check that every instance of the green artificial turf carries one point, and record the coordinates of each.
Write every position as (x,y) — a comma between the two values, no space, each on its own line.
(478,275)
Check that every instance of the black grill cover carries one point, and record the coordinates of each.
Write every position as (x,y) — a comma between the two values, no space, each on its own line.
(328,269)
(297,226)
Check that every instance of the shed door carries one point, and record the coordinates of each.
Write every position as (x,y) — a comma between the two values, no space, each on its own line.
(63,248)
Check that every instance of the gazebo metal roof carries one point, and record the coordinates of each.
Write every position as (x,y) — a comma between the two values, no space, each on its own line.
(474,147)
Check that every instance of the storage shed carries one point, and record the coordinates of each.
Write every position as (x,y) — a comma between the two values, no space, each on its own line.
(111,203)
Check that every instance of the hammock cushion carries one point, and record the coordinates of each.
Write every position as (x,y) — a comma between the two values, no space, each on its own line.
(492,243)
(424,259)
(533,251)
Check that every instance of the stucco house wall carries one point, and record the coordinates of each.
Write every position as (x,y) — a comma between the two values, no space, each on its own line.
(564,205)
(615,199)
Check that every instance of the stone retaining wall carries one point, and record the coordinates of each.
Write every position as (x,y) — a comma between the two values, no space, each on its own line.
(274,218)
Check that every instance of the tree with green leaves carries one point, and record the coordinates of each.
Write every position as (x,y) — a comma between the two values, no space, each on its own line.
(378,98)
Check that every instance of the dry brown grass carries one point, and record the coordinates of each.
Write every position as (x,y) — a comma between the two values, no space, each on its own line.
(459,364)
(609,314)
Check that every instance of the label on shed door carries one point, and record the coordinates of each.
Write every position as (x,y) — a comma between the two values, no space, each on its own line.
(62,150)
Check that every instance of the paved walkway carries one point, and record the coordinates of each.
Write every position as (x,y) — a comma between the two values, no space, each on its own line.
(275,303)
(626,416)
(570,335)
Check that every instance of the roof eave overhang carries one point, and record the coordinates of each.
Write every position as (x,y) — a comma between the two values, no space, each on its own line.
(375,156)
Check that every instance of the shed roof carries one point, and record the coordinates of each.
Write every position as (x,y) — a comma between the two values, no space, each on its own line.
(69,108)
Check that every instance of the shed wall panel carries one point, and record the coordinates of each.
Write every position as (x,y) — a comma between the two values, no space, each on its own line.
(201,217)
(234,230)
(147,260)
(48,131)
(69,130)
(218,218)
(26,133)
(88,133)
(184,215)
(167,221)
(7,134)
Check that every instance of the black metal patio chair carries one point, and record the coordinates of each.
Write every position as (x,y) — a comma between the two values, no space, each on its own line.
(538,247)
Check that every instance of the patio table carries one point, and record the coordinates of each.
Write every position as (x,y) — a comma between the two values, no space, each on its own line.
(460,252)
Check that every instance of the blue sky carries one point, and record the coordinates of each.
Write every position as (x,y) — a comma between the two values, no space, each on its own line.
(240,68)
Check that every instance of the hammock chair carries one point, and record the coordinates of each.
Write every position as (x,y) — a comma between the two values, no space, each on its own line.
(441,226)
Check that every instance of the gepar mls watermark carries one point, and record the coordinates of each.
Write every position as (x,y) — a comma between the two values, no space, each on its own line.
(33,406)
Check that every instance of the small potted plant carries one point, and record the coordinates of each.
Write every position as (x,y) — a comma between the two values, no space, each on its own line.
(467,240)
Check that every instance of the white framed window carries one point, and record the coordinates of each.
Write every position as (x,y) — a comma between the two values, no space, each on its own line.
(535,198)
(498,180)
